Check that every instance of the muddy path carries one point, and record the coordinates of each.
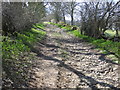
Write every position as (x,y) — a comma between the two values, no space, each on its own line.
(64,61)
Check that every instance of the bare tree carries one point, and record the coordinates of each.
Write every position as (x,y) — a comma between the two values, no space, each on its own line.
(96,17)
(71,6)
(56,10)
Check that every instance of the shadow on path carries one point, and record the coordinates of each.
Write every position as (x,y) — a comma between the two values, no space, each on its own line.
(101,57)
(91,81)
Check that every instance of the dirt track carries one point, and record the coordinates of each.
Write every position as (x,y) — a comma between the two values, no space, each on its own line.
(67,62)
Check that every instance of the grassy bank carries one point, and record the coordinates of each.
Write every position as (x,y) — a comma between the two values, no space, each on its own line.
(113,48)
(111,33)
(106,45)
(17,56)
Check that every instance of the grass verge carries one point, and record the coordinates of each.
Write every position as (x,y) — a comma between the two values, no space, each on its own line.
(106,45)
(17,56)
(111,33)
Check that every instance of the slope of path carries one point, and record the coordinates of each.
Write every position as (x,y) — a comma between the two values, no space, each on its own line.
(67,62)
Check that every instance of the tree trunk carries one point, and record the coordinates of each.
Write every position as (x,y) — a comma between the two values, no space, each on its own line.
(117,34)
(72,17)
(63,17)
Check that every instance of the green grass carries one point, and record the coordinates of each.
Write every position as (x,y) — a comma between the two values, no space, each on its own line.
(17,55)
(67,28)
(111,33)
(21,43)
(107,45)
(40,26)
(108,33)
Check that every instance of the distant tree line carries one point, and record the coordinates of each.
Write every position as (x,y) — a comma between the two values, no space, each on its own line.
(94,17)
